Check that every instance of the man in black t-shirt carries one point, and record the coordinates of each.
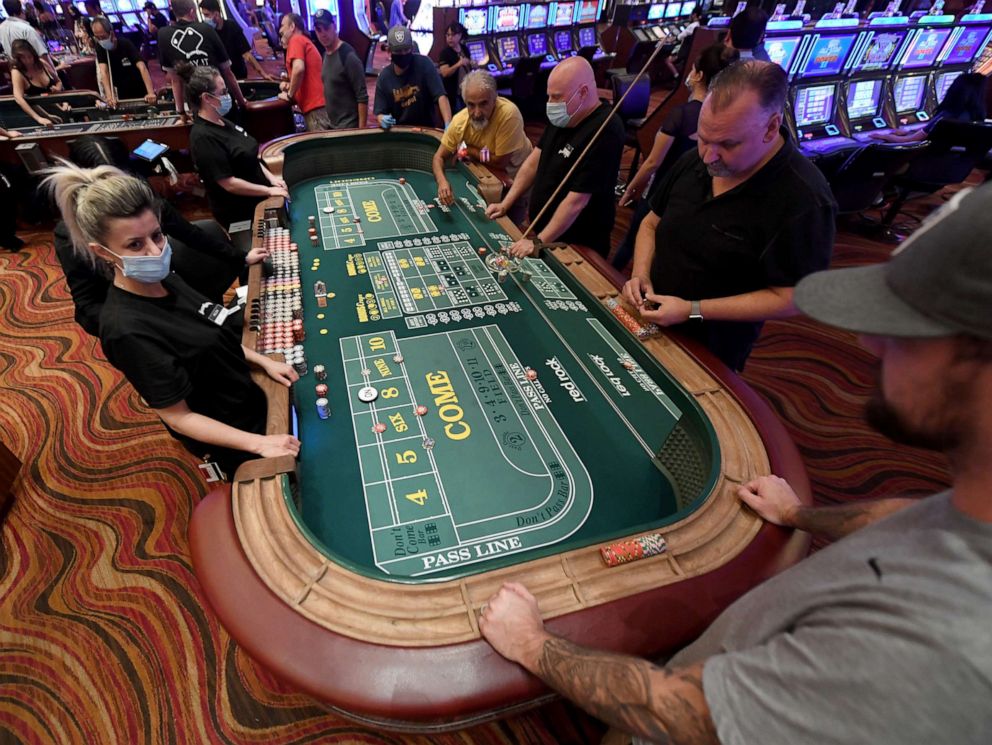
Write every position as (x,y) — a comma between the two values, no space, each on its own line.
(234,41)
(408,89)
(156,20)
(583,210)
(122,72)
(195,42)
(735,225)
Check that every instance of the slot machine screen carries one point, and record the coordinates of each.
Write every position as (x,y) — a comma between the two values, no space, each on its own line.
(537,45)
(475,20)
(943,83)
(587,36)
(781,50)
(827,55)
(563,14)
(687,8)
(509,47)
(477,51)
(656,12)
(863,98)
(967,46)
(504,18)
(537,17)
(880,52)
(672,11)
(814,105)
(588,11)
(926,47)
(908,93)
(563,42)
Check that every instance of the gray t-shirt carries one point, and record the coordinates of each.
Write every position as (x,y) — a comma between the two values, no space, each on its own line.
(344,86)
(883,637)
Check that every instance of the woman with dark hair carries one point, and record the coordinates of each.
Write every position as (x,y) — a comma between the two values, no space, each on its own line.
(676,137)
(167,339)
(225,155)
(454,64)
(963,102)
(29,76)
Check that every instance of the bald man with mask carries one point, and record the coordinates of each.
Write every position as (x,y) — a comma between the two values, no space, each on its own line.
(583,211)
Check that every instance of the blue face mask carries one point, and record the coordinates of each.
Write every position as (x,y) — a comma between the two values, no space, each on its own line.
(210,22)
(146,269)
(225,104)
(107,44)
(558,111)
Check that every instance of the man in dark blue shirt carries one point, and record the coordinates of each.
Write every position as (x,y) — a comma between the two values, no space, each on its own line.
(408,89)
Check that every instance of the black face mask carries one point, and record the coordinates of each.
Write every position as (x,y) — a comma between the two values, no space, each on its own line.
(402,61)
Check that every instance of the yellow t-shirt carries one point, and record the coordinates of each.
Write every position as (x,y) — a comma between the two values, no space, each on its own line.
(503,135)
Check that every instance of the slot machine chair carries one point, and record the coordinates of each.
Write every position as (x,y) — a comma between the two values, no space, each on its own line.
(860,182)
(954,150)
(634,111)
(527,86)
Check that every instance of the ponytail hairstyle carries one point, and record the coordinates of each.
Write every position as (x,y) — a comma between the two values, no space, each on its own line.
(198,79)
(89,198)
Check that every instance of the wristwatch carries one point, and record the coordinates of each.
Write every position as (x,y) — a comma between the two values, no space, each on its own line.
(695,311)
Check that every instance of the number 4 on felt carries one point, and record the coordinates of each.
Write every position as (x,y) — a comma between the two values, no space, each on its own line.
(418,497)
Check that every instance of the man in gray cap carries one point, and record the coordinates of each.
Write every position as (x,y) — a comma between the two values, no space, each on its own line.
(883,636)
(408,89)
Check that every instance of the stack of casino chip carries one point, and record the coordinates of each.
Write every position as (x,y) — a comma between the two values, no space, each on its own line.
(282,302)
(637,548)
(638,329)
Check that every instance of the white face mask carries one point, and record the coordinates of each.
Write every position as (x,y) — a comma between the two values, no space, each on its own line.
(146,269)
(558,111)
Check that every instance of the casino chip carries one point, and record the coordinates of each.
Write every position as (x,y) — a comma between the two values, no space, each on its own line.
(379,428)
(627,364)
(531,373)
(368,394)
(329,210)
(397,358)
(366,372)
(429,443)
(402,181)
(420,410)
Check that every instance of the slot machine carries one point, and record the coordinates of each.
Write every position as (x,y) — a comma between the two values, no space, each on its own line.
(504,27)
(652,28)
(476,23)
(562,14)
(868,90)
(586,38)
(535,34)
(912,98)
(815,94)
(784,40)
(966,43)
(722,22)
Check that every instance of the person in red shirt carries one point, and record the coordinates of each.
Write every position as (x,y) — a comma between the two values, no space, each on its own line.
(304,87)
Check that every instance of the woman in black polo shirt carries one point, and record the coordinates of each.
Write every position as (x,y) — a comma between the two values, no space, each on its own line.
(225,155)
(167,339)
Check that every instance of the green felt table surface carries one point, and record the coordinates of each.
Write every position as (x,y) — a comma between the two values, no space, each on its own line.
(500,468)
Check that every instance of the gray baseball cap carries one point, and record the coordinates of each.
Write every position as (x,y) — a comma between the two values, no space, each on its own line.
(399,39)
(937,283)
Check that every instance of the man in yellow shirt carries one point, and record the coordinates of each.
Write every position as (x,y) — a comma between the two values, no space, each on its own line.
(489,130)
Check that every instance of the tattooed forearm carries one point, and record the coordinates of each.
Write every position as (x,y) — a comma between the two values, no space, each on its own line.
(629,693)
(838,521)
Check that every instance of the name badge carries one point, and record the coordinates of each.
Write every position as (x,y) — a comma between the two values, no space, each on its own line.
(214,313)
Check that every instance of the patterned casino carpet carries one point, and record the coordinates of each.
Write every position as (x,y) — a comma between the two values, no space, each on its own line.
(104,637)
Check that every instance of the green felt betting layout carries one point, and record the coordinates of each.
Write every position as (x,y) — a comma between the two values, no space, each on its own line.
(496,466)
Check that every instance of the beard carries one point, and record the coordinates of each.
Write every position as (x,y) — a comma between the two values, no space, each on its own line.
(478,124)
(943,431)
(719,170)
